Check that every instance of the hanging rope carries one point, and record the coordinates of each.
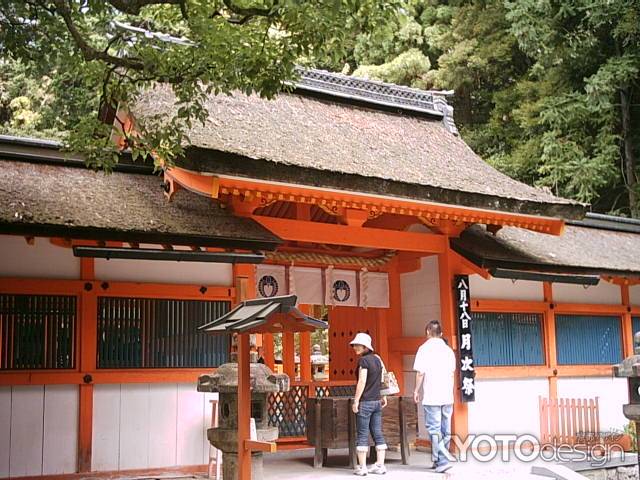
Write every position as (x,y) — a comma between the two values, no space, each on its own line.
(328,259)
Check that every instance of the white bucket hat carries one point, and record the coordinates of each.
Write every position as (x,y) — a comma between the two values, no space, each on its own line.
(362,339)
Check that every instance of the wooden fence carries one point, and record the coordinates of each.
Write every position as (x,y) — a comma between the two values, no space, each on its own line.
(569,421)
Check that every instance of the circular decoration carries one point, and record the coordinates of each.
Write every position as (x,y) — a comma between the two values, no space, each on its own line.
(268,286)
(341,291)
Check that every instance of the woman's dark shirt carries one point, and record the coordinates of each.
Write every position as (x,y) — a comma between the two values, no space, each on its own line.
(372,363)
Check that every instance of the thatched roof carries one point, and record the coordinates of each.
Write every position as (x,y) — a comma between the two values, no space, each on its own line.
(72,201)
(581,249)
(330,140)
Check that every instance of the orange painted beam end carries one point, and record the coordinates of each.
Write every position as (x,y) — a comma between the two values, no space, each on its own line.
(255,445)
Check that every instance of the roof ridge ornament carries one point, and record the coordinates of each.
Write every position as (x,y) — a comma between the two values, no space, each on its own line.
(377,93)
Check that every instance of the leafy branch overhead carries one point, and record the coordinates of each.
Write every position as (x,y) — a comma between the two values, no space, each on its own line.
(111,50)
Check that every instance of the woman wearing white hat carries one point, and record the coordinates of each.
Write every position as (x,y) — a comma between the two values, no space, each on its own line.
(368,405)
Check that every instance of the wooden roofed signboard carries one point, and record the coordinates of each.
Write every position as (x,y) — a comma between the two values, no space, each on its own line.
(265,315)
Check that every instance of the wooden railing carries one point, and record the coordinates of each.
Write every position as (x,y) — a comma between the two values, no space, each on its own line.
(288,410)
(569,421)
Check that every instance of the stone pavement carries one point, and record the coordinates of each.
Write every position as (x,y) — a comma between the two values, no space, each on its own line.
(299,465)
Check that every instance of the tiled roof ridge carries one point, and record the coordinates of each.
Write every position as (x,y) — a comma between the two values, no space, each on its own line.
(377,93)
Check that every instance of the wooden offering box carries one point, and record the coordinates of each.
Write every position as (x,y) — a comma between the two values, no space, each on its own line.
(332,417)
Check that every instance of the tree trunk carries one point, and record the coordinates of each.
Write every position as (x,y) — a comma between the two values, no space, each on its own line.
(629,159)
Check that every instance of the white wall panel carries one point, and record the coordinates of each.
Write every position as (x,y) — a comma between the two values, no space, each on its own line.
(163,410)
(505,289)
(106,428)
(27,412)
(634,295)
(149,426)
(40,260)
(164,272)
(420,297)
(60,443)
(190,422)
(612,391)
(603,293)
(134,426)
(5,430)
(507,406)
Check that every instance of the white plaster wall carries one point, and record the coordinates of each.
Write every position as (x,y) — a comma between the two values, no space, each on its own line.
(164,272)
(505,289)
(420,297)
(149,426)
(38,430)
(634,295)
(603,293)
(612,393)
(40,260)
(507,406)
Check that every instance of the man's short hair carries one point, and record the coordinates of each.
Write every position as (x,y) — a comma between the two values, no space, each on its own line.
(433,328)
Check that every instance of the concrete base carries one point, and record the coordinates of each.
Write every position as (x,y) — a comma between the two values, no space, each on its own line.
(230,466)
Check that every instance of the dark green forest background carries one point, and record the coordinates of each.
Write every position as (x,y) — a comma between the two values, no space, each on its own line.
(546,91)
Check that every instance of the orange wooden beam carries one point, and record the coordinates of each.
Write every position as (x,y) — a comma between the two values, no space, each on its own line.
(405,345)
(532,371)
(512,306)
(589,309)
(465,267)
(627,322)
(115,289)
(71,377)
(324,233)
(550,345)
(255,445)
(267,192)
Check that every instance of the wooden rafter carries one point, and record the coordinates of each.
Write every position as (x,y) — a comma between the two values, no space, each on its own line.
(225,187)
(315,232)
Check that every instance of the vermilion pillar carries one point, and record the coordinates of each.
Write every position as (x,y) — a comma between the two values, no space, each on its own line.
(267,350)
(289,354)
(393,325)
(550,338)
(245,288)
(88,353)
(305,349)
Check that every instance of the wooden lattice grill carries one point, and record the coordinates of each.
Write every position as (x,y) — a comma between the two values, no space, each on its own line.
(336,391)
(288,411)
(37,331)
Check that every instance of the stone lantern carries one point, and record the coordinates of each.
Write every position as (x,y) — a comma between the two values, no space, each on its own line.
(225,436)
(630,368)
(248,383)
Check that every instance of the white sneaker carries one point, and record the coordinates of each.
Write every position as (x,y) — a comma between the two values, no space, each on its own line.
(378,469)
(361,471)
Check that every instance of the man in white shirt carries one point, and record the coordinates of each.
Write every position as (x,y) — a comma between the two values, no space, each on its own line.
(435,365)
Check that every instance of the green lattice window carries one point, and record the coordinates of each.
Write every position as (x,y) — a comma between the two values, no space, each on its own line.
(37,332)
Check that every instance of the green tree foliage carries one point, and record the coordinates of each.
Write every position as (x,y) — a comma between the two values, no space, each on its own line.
(100,53)
(547,92)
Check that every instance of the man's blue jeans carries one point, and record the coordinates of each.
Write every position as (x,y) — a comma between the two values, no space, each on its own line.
(438,423)
(369,419)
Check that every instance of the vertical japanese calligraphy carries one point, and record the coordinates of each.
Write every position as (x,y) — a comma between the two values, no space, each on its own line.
(465,340)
